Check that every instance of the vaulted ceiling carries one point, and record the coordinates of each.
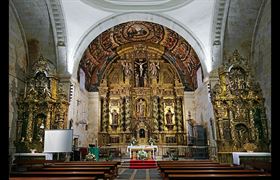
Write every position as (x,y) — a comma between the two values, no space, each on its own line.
(102,50)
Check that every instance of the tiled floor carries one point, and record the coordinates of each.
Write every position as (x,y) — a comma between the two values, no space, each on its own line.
(138,174)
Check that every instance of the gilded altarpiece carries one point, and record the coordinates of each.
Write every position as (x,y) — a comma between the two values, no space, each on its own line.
(141,96)
(43,104)
(239,108)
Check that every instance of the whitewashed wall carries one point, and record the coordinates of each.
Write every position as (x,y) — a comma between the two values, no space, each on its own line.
(78,112)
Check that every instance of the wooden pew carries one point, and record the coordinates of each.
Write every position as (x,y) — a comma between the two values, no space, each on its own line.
(40,174)
(261,176)
(113,168)
(165,173)
(261,165)
(162,169)
(52,178)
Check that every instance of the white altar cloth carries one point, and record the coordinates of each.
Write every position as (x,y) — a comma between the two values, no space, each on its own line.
(236,155)
(142,147)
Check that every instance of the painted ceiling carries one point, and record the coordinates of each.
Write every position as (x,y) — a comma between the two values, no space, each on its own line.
(102,50)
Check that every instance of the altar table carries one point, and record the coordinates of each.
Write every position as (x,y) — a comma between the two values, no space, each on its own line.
(131,149)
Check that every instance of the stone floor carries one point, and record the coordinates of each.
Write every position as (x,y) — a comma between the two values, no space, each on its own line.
(138,174)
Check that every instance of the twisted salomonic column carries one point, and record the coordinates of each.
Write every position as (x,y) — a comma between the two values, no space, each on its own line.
(29,130)
(161,115)
(122,114)
(105,115)
(155,113)
(179,114)
(127,114)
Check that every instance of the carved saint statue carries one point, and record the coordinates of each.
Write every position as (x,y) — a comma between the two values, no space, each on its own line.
(141,107)
(114,117)
(154,68)
(126,68)
(136,80)
(169,116)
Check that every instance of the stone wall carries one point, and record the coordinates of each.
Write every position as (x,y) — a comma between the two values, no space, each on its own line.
(17,69)
(261,55)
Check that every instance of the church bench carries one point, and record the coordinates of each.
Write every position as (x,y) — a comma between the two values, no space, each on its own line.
(165,173)
(261,165)
(52,178)
(35,161)
(195,162)
(97,174)
(107,170)
(162,169)
(113,168)
(194,165)
(261,176)
(89,162)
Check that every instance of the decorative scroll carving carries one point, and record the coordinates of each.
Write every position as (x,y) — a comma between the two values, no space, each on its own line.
(169,44)
(43,97)
(238,107)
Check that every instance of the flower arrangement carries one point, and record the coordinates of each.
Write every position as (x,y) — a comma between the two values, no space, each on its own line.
(142,155)
(250,147)
(90,157)
(133,141)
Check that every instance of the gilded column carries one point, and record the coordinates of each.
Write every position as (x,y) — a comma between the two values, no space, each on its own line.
(155,113)
(161,115)
(61,120)
(122,112)
(179,114)
(105,115)
(29,130)
(127,114)
(48,120)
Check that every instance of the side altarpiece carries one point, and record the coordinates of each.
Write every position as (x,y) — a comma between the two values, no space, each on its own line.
(239,108)
(42,104)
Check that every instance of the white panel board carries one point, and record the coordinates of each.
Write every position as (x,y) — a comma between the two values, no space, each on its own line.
(58,140)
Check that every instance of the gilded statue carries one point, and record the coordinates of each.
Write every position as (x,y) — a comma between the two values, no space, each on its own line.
(114,117)
(169,116)
(154,67)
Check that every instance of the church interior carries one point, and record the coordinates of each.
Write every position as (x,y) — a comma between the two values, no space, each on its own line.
(147,89)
